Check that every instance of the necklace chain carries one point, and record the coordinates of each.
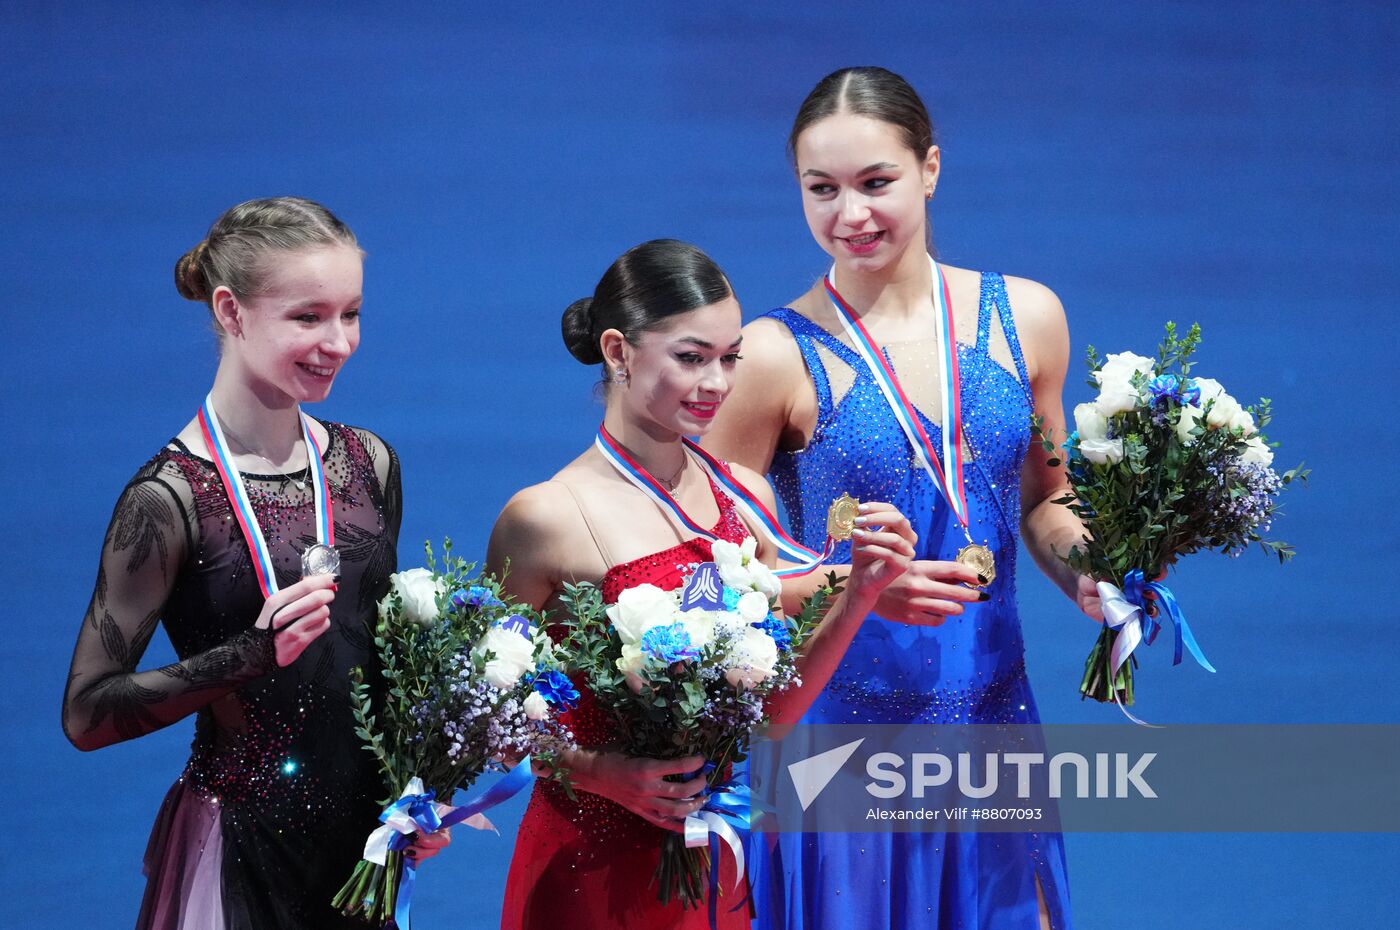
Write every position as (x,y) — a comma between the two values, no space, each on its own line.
(285,476)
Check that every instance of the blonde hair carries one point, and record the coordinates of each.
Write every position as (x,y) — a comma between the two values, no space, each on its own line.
(234,253)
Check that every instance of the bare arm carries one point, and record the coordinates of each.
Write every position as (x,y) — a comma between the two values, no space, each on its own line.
(1048,529)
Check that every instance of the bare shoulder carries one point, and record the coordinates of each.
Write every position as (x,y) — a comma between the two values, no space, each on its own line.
(769,346)
(1034,305)
(1041,326)
(536,515)
(754,482)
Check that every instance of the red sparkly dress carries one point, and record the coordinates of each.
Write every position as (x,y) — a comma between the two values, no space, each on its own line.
(590,864)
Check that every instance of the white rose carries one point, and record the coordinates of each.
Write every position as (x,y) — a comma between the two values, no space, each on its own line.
(699,626)
(1243,421)
(629,663)
(1089,423)
(641,608)
(1116,395)
(536,707)
(514,656)
(1223,411)
(418,592)
(751,659)
(1210,388)
(1102,451)
(753,607)
(1121,366)
(731,560)
(1256,452)
(1190,417)
(764,580)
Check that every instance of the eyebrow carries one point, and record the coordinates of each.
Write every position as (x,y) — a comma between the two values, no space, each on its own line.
(878,166)
(697,341)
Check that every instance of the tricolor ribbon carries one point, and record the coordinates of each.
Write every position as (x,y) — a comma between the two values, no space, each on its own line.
(242,506)
(950,485)
(417,811)
(749,506)
(726,814)
(1125,611)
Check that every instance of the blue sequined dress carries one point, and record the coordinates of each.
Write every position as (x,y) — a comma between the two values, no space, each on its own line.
(971,669)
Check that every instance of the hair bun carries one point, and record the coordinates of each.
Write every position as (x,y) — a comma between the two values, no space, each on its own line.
(190,279)
(579,337)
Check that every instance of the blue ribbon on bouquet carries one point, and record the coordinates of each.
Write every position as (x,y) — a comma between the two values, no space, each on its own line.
(417,811)
(1125,610)
(727,815)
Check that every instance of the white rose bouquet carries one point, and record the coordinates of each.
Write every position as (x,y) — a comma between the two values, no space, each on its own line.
(470,681)
(1161,464)
(686,672)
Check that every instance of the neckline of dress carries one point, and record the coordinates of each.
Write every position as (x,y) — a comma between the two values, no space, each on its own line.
(331,441)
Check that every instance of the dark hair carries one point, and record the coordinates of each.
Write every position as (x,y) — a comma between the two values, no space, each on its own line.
(646,285)
(234,251)
(872,92)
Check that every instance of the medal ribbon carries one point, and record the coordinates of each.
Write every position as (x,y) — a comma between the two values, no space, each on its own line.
(744,501)
(243,508)
(951,486)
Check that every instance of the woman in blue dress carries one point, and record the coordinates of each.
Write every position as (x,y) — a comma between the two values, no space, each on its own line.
(808,411)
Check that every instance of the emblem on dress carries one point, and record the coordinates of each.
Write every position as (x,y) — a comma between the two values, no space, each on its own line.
(703,591)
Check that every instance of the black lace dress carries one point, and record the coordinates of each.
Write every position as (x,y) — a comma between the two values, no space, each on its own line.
(277,798)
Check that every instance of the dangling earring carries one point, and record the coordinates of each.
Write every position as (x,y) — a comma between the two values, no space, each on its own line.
(928,194)
(620,377)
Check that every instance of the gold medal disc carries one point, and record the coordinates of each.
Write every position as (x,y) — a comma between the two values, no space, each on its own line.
(979,559)
(841,518)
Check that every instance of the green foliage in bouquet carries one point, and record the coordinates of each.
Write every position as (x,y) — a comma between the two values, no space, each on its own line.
(459,694)
(1162,464)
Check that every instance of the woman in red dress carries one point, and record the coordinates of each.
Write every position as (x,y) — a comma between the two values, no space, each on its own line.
(665,325)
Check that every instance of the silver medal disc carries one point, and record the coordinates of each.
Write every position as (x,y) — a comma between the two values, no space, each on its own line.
(320,560)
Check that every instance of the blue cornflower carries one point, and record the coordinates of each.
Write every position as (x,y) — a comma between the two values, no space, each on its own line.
(475,596)
(668,644)
(556,688)
(777,629)
(1190,393)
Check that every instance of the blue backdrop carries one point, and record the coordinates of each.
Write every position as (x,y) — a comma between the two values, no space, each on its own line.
(1232,164)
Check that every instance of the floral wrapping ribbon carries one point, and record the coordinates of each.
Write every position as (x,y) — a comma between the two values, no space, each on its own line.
(1125,612)
(727,815)
(417,811)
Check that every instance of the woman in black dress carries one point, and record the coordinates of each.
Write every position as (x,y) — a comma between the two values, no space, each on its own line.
(274,804)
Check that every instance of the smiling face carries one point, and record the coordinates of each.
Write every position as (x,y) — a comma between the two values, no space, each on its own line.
(863,190)
(291,339)
(680,372)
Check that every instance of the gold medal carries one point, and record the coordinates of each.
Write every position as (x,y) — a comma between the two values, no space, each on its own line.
(979,559)
(841,518)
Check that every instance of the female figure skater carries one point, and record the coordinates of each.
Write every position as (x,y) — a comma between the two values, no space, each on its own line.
(898,378)
(262,539)
(665,325)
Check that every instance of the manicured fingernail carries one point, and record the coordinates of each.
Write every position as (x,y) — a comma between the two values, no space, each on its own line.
(863,508)
(983,596)
(981,578)
(860,521)
(860,534)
